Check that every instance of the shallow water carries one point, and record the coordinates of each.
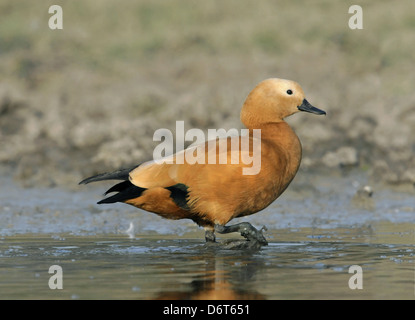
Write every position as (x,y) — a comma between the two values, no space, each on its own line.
(316,231)
(315,266)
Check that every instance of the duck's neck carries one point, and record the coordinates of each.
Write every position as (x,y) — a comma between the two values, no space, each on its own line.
(278,131)
(280,138)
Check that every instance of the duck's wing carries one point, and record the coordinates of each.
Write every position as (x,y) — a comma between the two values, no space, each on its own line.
(226,155)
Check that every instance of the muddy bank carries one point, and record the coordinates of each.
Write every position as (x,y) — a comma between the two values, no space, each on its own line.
(48,141)
(57,147)
(89,98)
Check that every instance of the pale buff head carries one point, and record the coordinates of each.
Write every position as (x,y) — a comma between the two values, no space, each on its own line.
(272,100)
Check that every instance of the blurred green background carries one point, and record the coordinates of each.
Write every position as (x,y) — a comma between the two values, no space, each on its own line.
(88,98)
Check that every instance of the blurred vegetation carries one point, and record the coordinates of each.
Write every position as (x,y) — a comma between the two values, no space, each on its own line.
(89,97)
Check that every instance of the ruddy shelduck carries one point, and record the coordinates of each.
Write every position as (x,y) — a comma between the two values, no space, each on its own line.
(212,194)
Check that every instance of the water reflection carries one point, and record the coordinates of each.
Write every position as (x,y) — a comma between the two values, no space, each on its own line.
(315,267)
(227,275)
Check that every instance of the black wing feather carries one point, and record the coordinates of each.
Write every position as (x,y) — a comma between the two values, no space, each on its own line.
(179,194)
(126,191)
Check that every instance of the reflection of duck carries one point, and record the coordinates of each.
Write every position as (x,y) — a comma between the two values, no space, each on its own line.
(212,194)
(220,281)
(209,289)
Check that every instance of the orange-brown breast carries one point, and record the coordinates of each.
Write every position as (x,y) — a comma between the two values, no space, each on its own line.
(222,192)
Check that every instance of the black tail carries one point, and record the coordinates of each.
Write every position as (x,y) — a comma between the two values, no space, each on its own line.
(126,190)
(122,174)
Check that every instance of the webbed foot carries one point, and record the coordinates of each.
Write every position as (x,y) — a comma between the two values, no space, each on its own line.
(246,230)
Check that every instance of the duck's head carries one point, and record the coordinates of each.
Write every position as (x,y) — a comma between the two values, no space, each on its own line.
(272,100)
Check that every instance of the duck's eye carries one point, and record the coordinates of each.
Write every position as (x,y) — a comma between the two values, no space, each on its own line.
(289,91)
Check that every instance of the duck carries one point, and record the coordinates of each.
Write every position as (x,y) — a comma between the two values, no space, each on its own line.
(212,193)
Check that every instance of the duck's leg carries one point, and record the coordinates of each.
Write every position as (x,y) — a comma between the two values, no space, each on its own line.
(246,230)
(210,235)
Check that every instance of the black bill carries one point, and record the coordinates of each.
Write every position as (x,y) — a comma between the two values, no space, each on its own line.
(307,107)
